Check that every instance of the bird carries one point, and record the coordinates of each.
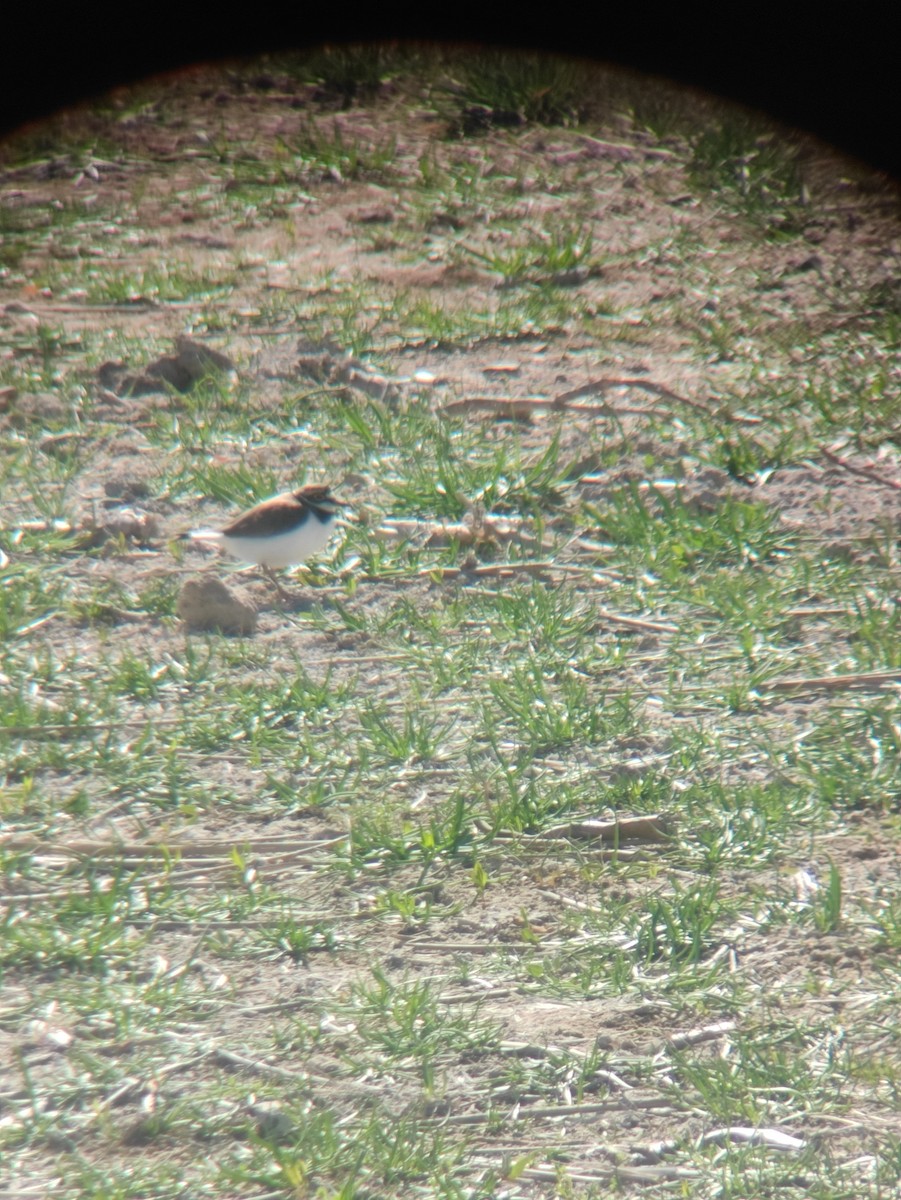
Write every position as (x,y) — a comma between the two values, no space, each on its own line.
(279,532)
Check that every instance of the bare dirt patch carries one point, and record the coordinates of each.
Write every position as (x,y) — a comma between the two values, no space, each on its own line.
(361,266)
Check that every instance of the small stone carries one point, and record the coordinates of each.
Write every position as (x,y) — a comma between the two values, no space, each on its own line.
(273,1125)
(37,407)
(131,523)
(206,605)
(191,362)
(127,485)
(378,215)
(200,360)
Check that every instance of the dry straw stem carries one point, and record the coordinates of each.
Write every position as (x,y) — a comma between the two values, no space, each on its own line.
(656,828)
(863,472)
(524,408)
(866,681)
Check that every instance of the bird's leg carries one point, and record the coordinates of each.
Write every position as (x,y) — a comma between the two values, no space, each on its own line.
(270,575)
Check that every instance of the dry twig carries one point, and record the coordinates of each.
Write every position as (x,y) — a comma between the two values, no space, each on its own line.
(863,472)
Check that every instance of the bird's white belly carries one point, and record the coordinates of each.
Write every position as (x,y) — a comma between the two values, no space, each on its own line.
(282,549)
